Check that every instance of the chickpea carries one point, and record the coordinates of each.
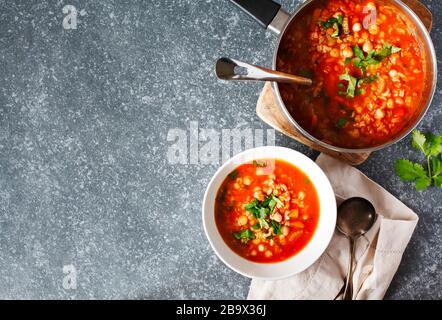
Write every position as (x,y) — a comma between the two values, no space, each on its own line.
(357,27)
(261,248)
(253,253)
(373,29)
(236,185)
(277,217)
(334,53)
(259,195)
(370,6)
(367,47)
(301,195)
(393,73)
(379,114)
(247,180)
(347,52)
(399,101)
(390,103)
(355,133)
(242,220)
(268,254)
(285,230)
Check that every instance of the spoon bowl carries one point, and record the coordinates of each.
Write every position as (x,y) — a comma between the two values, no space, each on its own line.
(356,216)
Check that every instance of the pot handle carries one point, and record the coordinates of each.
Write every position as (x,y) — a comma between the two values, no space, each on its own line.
(266,12)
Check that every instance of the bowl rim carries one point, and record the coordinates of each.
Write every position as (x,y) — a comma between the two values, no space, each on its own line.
(311,254)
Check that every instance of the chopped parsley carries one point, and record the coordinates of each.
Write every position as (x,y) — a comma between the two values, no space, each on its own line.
(361,61)
(244,235)
(335,23)
(261,209)
(386,51)
(351,86)
(341,123)
(232,175)
(276,227)
(354,85)
(259,163)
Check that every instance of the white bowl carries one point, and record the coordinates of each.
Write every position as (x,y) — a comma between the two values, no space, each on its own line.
(314,248)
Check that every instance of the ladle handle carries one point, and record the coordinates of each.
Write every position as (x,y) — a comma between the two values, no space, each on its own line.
(263,11)
(348,291)
(268,13)
(225,70)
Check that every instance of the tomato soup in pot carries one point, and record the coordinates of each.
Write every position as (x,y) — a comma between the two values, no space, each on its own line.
(367,68)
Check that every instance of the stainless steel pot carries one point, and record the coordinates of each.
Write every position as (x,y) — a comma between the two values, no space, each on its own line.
(271,16)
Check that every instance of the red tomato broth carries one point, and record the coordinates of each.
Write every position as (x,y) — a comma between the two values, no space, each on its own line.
(248,183)
(381,108)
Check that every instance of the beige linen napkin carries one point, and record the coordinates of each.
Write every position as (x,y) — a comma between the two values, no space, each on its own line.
(378,253)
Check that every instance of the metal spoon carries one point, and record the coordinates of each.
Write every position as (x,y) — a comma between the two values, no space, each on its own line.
(225,70)
(355,217)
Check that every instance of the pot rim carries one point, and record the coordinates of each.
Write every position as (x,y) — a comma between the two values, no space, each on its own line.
(427,43)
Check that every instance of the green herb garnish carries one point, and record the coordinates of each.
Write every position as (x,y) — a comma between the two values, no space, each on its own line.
(232,175)
(368,79)
(244,235)
(276,227)
(336,23)
(430,146)
(330,22)
(259,163)
(387,50)
(252,205)
(351,86)
(354,85)
(341,123)
(361,61)
(261,209)
(256,226)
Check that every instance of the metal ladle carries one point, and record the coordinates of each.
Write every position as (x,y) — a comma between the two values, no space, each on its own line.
(355,217)
(225,70)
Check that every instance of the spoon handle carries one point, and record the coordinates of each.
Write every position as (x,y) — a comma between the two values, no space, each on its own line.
(348,292)
(225,70)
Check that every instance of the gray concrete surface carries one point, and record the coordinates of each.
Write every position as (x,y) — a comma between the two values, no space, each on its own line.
(85,181)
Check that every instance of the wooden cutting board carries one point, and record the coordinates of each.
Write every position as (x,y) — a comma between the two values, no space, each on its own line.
(268,110)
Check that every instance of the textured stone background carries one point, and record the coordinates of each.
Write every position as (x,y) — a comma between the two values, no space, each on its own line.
(84,178)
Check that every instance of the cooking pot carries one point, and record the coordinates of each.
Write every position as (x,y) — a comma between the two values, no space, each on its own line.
(271,16)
